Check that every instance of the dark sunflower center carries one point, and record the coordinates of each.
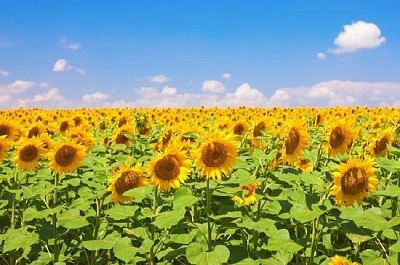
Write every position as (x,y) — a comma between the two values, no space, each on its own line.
(168,167)
(121,138)
(380,145)
(64,126)
(337,137)
(354,181)
(122,122)
(65,155)
(128,180)
(257,129)
(167,137)
(292,141)
(34,132)
(238,129)
(28,153)
(4,130)
(214,154)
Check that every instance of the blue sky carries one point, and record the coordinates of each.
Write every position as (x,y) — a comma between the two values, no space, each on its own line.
(185,53)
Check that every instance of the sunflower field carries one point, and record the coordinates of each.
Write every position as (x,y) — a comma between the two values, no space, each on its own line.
(200,186)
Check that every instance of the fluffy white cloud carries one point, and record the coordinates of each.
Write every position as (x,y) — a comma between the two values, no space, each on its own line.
(159,79)
(62,65)
(321,56)
(50,99)
(95,97)
(226,76)
(213,86)
(358,35)
(17,87)
(244,95)
(280,95)
(4,73)
(145,90)
(70,45)
(168,91)
(5,99)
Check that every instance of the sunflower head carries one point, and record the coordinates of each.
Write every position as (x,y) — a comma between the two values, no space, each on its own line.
(66,157)
(4,147)
(125,178)
(217,155)
(296,141)
(169,169)
(340,137)
(28,153)
(378,146)
(9,130)
(248,194)
(339,260)
(353,181)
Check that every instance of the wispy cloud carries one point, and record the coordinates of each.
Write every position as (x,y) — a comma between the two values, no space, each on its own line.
(213,86)
(226,76)
(16,87)
(321,56)
(4,73)
(359,35)
(69,45)
(62,65)
(95,97)
(159,79)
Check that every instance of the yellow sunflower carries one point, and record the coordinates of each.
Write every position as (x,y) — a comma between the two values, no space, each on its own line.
(305,165)
(9,130)
(340,137)
(353,180)
(28,153)
(4,147)
(217,155)
(250,197)
(80,136)
(124,179)
(169,169)
(378,146)
(240,128)
(120,135)
(339,260)
(66,157)
(297,139)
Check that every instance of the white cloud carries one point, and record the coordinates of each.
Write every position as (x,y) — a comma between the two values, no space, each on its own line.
(147,90)
(226,76)
(70,45)
(62,65)
(159,79)
(321,92)
(244,95)
(280,95)
(213,86)
(321,56)
(5,99)
(168,91)
(17,87)
(358,35)
(4,73)
(95,97)
(50,99)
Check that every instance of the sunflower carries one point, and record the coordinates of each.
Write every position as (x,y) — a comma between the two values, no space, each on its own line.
(217,155)
(28,154)
(304,165)
(36,130)
(9,130)
(66,157)
(249,197)
(353,180)
(4,146)
(378,146)
(240,128)
(81,136)
(339,260)
(297,140)
(120,135)
(169,169)
(340,137)
(124,179)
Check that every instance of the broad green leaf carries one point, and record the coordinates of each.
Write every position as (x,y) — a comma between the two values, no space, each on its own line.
(169,219)
(303,214)
(193,252)
(285,245)
(72,219)
(139,193)
(19,238)
(183,197)
(372,219)
(390,165)
(390,191)
(196,255)
(124,250)
(120,212)
(106,243)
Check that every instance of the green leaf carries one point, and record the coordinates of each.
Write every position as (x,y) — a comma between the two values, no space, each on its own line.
(390,191)
(72,219)
(390,165)
(169,219)
(372,219)
(284,245)
(139,193)
(196,255)
(124,250)
(31,214)
(19,238)
(106,243)
(120,212)
(302,214)
(183,197)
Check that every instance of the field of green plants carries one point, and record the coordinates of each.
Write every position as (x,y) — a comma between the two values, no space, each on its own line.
(200,186)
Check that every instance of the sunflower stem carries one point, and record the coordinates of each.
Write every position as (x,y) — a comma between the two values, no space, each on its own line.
(314,241)
(152,233)
(54,219)
(14,186)
(208,211)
